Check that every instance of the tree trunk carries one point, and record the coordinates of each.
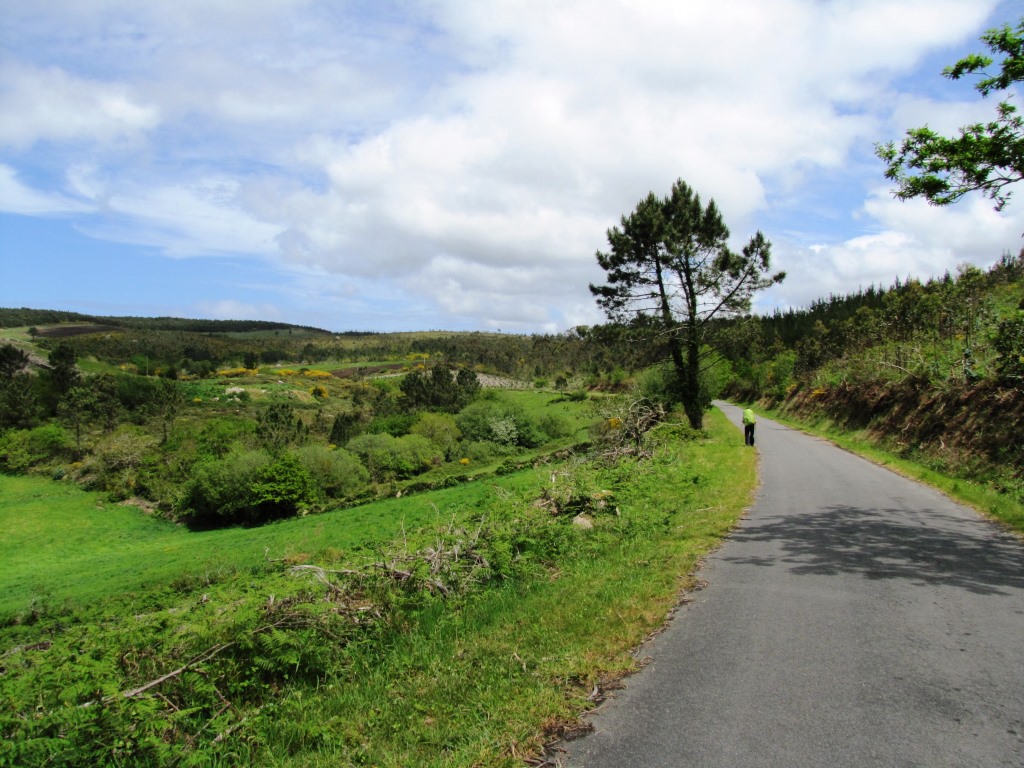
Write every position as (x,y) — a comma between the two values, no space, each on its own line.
(692,403)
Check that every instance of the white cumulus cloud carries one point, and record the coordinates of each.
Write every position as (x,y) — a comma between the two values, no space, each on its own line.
(469,156)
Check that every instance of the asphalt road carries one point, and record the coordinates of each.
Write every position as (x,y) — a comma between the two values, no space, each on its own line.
(855,619)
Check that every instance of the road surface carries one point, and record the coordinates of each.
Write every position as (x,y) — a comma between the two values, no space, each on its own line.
(856,618)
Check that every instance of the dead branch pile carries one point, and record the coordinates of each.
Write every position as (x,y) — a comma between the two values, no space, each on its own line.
(623,431)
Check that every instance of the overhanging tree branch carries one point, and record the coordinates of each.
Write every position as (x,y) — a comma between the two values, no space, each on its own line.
(984,157)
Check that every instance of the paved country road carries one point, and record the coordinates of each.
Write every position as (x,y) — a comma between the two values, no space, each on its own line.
(856,618)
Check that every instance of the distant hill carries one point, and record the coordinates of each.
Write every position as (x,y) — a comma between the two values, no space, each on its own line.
(24,316)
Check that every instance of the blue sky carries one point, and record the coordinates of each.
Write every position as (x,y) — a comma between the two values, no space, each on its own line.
(451,165)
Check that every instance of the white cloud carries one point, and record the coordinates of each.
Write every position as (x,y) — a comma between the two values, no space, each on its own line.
(470,156)
(568,125)
(203,217)
(16,197)
(230,309)
(914,240)
(50,104)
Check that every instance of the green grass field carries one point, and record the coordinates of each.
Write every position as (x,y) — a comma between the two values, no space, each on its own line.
(64,547)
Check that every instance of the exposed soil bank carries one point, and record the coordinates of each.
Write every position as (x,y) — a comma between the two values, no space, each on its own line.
(966,429)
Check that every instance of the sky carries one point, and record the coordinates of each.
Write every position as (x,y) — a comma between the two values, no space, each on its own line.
(362,165)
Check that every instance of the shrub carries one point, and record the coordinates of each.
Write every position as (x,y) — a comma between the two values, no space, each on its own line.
(395,424)
(659,384)
(219,490)
(499,422)
(441,430)
(338,473)
(137,393)
(119,457)
(22,449)
(282,488)
(1009,344)
(440,389)
(248,487)
(232,373)
(277,426)
(481,452)
(554,425)
(218,436)
(125,448)
(388,457)
(347,425)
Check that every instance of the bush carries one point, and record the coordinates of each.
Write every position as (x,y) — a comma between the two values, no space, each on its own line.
(554,425)
(394,458)
(440,389)
(395,424)
(277,426)
(338,473)
(219,491)
(119,457)
(247,487)
(1009,344)
(441,430)
(659,385)
(137,393)
(480,452)
(282,488)
(22,449)
(218,436)
(499,422)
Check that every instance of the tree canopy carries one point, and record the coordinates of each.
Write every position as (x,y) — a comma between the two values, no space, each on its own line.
(983,157)
(669,262)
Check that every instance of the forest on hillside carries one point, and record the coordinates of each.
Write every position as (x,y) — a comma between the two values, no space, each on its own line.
(954,328)
(932,370)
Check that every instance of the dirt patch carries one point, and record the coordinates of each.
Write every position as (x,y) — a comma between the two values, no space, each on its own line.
(148,507)
(64,331)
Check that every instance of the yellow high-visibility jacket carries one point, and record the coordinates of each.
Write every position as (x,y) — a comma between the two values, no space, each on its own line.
(748,417)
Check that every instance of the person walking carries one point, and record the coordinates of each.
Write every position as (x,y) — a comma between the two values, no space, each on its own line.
(749,420)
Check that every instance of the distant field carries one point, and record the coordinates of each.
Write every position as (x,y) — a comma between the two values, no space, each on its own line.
(15,334)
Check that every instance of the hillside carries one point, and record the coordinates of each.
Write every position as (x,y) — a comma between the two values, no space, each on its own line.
(932,371)
(10,317)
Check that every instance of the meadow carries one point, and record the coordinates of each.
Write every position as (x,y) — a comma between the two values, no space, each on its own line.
(66,548)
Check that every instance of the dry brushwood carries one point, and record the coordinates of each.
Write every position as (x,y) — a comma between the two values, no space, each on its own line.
(624,430)
(446,567)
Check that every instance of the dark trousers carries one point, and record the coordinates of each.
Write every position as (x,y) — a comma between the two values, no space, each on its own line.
(748,434)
